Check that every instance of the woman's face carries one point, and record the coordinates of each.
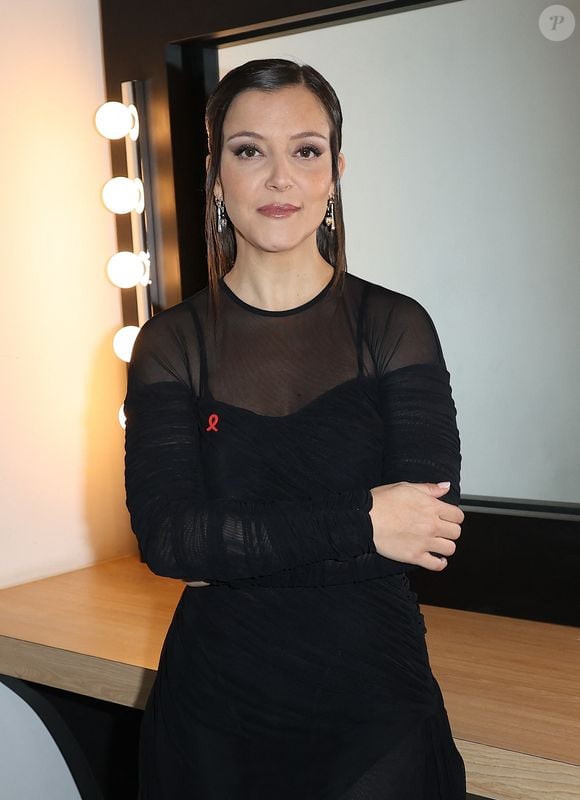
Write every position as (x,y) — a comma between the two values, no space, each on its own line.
(276,169)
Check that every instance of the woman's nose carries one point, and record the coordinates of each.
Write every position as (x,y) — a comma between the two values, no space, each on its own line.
(279,176)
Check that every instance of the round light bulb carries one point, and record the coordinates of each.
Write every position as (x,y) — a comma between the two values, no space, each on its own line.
(124,340)
(122,195)
(114,120)
(121,417)
(125,269)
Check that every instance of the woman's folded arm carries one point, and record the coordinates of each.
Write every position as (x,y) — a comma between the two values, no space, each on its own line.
(183,534)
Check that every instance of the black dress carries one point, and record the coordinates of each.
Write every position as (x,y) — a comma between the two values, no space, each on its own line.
(301,672)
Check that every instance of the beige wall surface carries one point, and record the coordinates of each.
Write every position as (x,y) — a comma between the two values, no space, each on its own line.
(61,470)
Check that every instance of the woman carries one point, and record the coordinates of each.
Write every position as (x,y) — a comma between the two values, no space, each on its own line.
(290,430)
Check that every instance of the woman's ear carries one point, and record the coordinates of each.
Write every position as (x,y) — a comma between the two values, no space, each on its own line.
(341,164)
(217,189)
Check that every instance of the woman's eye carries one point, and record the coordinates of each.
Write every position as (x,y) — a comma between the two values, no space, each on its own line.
(247,151)
(308,151)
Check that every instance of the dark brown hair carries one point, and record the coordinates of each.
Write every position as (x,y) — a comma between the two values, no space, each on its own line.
(268,75)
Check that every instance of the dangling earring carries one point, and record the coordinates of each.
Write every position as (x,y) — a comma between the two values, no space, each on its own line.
(329,218)
(222,220)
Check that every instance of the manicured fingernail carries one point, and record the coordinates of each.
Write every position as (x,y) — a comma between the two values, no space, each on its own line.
(444,484)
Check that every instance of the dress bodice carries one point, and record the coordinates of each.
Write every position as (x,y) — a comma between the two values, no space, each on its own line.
(268,430)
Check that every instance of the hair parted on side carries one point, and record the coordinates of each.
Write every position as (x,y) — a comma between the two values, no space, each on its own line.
(268,75)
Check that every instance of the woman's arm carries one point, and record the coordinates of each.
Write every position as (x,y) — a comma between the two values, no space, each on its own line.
(421,438)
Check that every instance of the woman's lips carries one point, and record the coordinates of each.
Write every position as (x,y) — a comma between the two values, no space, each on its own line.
(278,210)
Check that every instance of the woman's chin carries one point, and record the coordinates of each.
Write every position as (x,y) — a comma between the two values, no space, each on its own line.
(281,244)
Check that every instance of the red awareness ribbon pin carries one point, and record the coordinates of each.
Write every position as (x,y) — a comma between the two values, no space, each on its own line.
(213,421)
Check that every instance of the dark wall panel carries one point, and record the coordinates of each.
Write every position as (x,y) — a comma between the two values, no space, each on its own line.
(511,566)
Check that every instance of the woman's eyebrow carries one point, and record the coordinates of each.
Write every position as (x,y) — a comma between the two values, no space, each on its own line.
(250,134)
(305,134)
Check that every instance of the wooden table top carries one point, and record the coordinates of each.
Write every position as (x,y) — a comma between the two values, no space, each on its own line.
(116,610)
(507,683)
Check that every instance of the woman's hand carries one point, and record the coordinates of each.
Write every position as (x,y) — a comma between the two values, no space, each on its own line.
(410,523)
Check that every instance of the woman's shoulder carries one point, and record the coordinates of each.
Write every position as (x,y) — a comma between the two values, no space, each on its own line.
(380,300)
(179,317)
(398,328)
(168,338)
(166,346)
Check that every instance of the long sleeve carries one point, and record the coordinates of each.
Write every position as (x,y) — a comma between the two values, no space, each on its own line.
(422,443)
(183,534)
(421,438)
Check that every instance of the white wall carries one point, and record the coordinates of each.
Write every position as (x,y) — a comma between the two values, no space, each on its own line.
(462,190)
(61,471)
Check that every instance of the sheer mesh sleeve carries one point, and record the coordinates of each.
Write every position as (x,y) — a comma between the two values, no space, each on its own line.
(183,534)
(422,443)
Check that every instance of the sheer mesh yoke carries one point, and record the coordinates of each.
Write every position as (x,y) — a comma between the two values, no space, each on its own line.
(251,449)
(275,362)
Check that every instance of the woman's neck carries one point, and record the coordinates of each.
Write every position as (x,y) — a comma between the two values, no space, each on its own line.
(277,281)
